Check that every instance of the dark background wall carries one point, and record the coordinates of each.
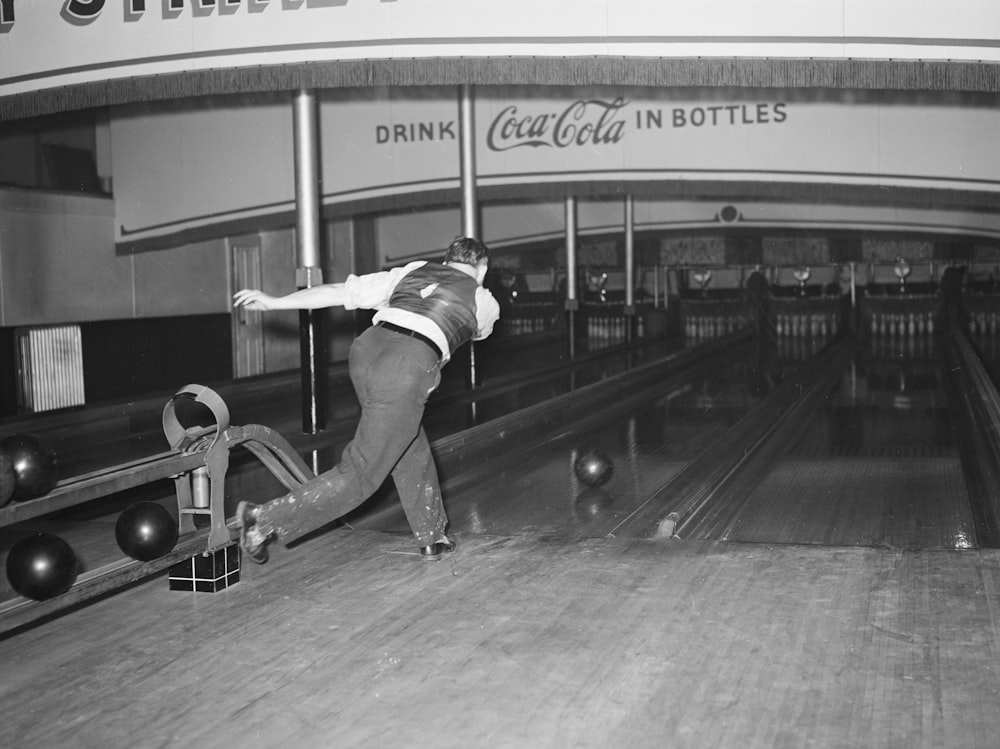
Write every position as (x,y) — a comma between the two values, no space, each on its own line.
(130,357)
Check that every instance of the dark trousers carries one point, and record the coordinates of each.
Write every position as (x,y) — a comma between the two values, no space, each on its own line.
(392,375)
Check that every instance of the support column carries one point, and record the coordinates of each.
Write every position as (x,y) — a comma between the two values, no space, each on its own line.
(307,252)
(853,322)
(629,269)
(470,207)
(572,303)
(467,161)
(854,288)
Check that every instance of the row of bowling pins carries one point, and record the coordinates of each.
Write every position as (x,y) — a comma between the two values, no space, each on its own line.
(522,325)
(901,323)
(984,323)
(712,326)
(805,324)
(613,328)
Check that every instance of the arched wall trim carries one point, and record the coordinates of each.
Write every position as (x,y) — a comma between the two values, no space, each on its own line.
(901,75)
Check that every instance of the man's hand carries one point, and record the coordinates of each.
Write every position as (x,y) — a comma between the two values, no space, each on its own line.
(253,299)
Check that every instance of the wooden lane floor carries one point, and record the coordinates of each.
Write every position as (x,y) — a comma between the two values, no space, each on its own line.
(647,445)
(526,640)
(875,501)
(546,628)
(542,493)
(879,463)
(89,528)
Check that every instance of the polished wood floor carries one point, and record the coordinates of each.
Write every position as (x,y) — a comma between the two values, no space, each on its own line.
(846,609)
(349,640)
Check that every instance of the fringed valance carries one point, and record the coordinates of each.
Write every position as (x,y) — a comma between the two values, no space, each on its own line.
(881,75)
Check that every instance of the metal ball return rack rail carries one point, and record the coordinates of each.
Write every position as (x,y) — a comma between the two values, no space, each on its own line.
(198,463)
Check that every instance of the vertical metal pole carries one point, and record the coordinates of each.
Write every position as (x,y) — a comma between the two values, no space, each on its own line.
(467,160)
(572,304)
(666,301)
(307,251)
(854,301)
(470,210)
(629,269)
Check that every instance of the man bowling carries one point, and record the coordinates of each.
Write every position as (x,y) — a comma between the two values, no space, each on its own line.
(424,311)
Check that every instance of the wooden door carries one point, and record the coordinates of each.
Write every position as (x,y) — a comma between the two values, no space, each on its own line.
(248,334)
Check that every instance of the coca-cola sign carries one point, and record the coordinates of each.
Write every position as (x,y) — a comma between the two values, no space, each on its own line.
(584,122)
(588,122)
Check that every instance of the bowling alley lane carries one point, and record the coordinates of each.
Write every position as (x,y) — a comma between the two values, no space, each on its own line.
(876,463)
(538,491)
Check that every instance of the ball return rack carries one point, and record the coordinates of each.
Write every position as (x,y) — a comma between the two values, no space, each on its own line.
(198,462)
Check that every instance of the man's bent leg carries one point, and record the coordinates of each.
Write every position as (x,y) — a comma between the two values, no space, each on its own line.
(315,503)
(392,390)
(416,479)
(364,465)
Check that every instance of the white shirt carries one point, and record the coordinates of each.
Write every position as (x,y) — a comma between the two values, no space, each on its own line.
(373,290)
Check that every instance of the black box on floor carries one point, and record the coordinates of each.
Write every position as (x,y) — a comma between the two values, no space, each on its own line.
(209,572)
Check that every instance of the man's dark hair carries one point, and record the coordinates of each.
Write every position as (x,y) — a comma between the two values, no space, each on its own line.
(466,250)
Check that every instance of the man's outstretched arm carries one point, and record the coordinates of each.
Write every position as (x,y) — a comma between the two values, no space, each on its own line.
(315,297)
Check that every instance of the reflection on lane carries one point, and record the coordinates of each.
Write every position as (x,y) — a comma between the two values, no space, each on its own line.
(878,466)
(875,465)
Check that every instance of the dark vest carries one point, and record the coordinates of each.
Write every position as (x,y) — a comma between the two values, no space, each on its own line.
(450,304)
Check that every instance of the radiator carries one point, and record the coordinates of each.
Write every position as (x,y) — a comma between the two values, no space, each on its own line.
(50,367)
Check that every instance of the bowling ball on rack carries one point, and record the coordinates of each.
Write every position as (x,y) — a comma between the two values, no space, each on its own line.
(36,467)
(593,468)
(145,531)
(41,566)
(7,478)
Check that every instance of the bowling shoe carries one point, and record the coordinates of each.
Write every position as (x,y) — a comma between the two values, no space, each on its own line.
(433,552)
(252,540)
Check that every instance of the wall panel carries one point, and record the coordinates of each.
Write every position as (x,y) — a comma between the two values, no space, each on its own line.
(58,261)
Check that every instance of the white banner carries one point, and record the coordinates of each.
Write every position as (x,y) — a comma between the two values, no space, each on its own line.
(192,166)
(45,44)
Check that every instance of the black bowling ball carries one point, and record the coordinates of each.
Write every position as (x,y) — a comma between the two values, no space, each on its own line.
(36,468)
(41,566)
(593,468)
(145,531)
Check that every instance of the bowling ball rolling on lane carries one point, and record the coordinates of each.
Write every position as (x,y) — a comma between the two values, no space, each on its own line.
(593,468)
